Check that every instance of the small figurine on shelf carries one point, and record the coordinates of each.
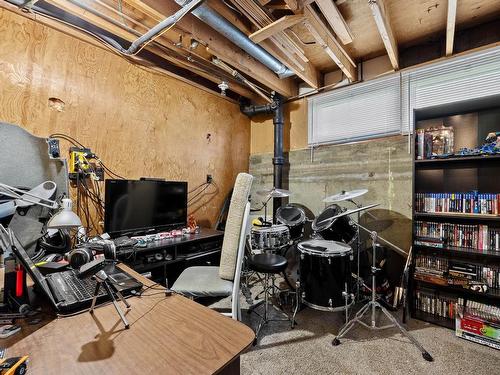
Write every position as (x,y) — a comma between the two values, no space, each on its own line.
(492,144)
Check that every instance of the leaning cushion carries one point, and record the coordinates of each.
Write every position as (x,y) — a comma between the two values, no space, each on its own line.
(202,282)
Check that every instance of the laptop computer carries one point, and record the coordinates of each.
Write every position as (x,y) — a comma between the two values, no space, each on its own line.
(66,291)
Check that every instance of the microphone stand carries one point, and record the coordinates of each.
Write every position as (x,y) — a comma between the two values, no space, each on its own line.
(373,304)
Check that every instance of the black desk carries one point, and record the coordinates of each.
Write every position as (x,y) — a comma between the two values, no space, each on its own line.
(175,255)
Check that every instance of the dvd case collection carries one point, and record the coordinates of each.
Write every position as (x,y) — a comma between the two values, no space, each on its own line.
(457,273)
(480,310)
(440,235)
(431,303)
(470,203)
(478,322)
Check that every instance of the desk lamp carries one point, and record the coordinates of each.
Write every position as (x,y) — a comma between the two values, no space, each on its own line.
(65,218)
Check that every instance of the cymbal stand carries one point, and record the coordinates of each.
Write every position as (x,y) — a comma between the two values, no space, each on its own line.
(103,279)
(372,306)
(358,247)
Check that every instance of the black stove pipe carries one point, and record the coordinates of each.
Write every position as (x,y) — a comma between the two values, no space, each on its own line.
(276,109)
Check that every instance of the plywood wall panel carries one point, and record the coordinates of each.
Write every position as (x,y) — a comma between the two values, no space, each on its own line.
(140,123)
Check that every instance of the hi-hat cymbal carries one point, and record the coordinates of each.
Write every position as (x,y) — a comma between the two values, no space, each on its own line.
(275,193)
(345,195)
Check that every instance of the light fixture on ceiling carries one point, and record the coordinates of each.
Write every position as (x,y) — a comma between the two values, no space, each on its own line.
(223,86)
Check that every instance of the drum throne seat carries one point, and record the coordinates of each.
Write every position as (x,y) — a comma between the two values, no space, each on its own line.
(270,265)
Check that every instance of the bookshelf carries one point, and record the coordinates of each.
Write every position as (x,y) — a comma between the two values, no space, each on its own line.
(431,295)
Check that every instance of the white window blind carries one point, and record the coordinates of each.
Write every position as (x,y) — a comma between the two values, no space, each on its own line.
(361,111)
(459,79)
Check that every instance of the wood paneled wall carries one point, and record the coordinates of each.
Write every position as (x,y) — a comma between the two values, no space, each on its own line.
(139,123)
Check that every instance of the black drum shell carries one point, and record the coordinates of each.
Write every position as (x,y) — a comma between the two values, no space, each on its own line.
(340,229)
(324,278)
(294,218)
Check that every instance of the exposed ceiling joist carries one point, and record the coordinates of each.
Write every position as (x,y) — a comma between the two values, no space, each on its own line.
(277,26)
(380,14)
(327,41)
(226,51)
(335,20)
(139,28)
(450,26)
(281,45)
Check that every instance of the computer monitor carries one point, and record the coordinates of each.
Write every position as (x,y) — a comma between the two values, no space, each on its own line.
(142,206)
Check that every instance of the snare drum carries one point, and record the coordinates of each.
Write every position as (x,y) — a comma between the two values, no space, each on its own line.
(294,218)
(270,238)
(339,229)
(325,273)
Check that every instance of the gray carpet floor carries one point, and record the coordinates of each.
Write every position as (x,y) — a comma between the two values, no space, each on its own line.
(307,348)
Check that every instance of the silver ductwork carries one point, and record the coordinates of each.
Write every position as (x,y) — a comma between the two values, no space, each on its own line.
(231,32)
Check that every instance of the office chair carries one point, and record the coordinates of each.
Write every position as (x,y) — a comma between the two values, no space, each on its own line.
(223,281)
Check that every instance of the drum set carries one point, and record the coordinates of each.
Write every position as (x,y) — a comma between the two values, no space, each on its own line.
(320,263)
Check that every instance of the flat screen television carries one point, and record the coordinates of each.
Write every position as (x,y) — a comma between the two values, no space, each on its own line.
(142,206)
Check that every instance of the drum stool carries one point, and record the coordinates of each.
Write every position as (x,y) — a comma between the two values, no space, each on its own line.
(270,265)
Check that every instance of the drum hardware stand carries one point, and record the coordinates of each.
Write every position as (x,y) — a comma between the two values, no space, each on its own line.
(102,279)
(264,319)
(373,304)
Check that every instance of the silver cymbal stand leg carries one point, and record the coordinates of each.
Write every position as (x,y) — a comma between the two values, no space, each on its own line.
(373,304)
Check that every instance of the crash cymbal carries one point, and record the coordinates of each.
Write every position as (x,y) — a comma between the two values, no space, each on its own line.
(345,195)
(275,193)
(354,210)
(344,213)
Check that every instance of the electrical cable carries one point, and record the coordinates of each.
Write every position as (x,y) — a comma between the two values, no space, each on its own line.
(199,186)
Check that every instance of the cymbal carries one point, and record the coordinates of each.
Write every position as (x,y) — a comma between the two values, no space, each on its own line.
(345,195)
(275,193)
(348,212)
(354,210)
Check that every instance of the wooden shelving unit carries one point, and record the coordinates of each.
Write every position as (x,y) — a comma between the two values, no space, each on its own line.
(453,175)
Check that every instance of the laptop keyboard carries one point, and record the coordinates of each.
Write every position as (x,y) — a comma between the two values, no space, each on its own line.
(83,288)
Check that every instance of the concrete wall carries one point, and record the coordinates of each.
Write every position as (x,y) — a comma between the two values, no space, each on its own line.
(382,166)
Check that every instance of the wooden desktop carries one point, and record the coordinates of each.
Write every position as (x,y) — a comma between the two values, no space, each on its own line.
(167,335)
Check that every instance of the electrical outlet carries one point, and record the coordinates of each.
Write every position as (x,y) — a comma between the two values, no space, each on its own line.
(209,178)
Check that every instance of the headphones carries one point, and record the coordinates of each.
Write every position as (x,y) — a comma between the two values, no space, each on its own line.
(58,243)
(80,256)
(86,252)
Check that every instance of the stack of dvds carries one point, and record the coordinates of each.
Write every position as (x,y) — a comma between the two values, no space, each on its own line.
(432,268)
(441,306)
(467,203)
(478,322)
(481,310)
(481,237)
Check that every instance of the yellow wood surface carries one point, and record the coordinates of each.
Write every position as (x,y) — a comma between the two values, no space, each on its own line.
(138,122)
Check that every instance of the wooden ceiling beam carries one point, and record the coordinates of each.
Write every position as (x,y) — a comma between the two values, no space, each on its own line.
(327,41)
(224,49)
(450,26)
(380,14)
(335,20)
(277,26)
(130,36)
(280,45)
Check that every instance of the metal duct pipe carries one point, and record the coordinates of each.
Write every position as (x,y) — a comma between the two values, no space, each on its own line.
(231,32)
(276,108)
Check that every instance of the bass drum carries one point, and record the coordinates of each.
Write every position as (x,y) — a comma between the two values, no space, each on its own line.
(325,273)
(294,218)
(339,229)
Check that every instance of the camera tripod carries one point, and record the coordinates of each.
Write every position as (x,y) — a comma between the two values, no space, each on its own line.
(103,279)
(372,306)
